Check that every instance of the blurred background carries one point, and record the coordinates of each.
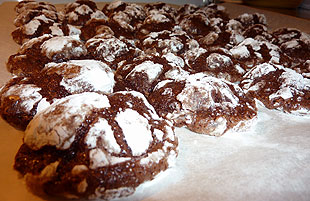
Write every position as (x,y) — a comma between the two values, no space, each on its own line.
(298,8)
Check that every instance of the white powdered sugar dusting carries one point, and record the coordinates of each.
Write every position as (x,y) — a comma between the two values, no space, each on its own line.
(114,4)
(102,132)
(193,52)
(151,109)
(157,17)
(174,60)
(56,125)
(291,44)
(216,60)
(123,20)
(42,105)
(136,130)
(153,157)
(98,15)
(151,69)
(31,27)
(108,48)
(28,93)
(159,134)
(199,89)
(74,31)
(29,44)
(83,10)
(260,70)
(81,75)
(64,45)
(99,158)
(56,30)
(292,83)
(170,45)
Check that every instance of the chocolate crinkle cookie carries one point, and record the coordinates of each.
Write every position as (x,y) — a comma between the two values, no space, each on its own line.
(28,14)
(295,44)
(252,52)
(95,146)
(33,5)
(48,49)
(36,27)
(204,104)
(142,74)
(126,22)
(164,42)
(34,19)
(248,20)
(218,63)
(110,49)
(23,97)
(80,11)
(277,87)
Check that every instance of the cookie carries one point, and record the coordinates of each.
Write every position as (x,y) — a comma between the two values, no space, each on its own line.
(184,10)
(164,42)
(196,24)
(80,11)
(48,49)
(95,27)
(248,19)
(217,63)
(252,52)
(22,98)
(156,20)
(28,14)
(204,104)
(108,48)
(33,5)
(101,154)
(36,27)
(126,22)
(277,87)
(141,74)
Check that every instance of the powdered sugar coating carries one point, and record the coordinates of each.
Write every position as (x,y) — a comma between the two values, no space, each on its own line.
(84,75)
(31,27)
(136,130)
(29,44)
(27,93)
(207,86)
(98,158)
(117,140)
(78,13)
(155,16)
(248,19)
(107,48)
(56,125)
(276,86)
(193,52)
(254,52)
(164,42)
(204,104)
(67,46)
(151,69)
(214,60)
(102,132)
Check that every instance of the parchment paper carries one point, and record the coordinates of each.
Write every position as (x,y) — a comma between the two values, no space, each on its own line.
(269,162)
